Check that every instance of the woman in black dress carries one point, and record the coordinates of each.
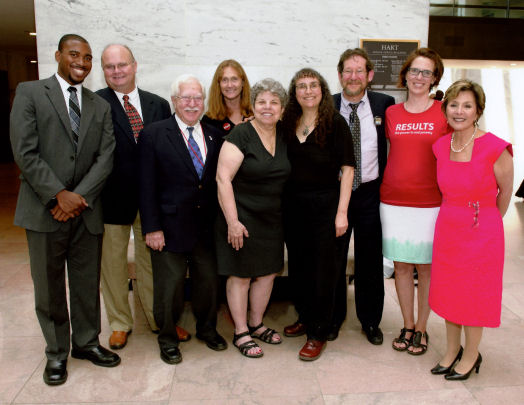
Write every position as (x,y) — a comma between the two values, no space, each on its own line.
(252,170)
(229,98)
(320,150)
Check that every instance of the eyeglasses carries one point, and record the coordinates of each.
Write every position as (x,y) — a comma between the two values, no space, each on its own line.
(304,86)
(425,73)
(358,72)
(120,66)
(232,80)
(187,99)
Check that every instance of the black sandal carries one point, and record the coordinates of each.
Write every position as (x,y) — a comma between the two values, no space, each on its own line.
(403,340)
(266,336)
(417,337)
(246,346)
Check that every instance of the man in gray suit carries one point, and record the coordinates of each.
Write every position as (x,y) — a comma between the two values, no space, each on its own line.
(62,139)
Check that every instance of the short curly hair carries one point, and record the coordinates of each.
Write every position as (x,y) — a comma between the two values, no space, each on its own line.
(465,85)
(271,85)
(350,53)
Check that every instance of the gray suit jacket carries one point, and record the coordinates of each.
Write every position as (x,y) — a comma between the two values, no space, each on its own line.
(43,148)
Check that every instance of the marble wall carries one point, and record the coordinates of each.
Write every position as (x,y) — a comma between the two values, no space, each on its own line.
(271,38)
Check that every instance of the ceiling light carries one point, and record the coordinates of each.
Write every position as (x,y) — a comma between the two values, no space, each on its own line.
(33,61)
(513,64)
(33,34)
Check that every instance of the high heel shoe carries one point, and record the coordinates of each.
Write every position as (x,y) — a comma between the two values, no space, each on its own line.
(454,376)
(438,369)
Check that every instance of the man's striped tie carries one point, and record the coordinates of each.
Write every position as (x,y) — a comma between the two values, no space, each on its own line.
(74,113)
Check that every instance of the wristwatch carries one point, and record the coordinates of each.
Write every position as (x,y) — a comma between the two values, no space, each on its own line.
(52,203)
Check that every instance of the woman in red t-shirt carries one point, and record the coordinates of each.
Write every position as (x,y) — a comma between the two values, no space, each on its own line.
(409,194)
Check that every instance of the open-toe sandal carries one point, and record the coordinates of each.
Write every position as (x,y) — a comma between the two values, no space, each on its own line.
(403,340)
(266,336)
(245,347)
(415,344)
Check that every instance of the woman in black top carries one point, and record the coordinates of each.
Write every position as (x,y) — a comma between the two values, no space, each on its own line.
(251,173)
(320,150)
(228,101)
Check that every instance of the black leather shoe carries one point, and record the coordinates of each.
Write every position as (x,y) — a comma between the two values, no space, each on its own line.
(333,334)
(98,355)
(438,369)
(454,376)
(374,335)
(215,341)
(171,355)
(55,372)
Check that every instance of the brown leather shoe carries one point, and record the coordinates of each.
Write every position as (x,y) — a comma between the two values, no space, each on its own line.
(183,335)
(295,330)
(118,339)
(311,350)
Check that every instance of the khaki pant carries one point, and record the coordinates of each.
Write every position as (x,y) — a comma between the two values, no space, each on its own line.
(114,275)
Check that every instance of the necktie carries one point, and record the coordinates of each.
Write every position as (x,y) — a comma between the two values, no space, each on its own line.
(133,116)
(354,125)
(74,113)
(194,152)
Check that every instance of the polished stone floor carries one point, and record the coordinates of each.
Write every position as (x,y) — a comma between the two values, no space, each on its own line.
(351,371)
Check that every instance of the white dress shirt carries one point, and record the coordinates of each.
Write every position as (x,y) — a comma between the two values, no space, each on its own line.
(64,86)
(198,135)
(134,100)
(368,136)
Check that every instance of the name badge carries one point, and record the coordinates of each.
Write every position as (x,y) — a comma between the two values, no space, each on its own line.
(378,121)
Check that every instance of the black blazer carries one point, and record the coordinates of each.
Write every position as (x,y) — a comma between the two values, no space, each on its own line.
(379,103)
(172,197)
(120,194)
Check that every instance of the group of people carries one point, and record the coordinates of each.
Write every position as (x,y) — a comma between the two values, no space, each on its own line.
(222,193)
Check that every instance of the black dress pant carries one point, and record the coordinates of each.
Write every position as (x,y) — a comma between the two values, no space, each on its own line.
(309,218)
(49,252)
(364,221)
(169,273)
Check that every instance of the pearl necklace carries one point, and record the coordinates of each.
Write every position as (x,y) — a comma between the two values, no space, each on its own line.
(463,146)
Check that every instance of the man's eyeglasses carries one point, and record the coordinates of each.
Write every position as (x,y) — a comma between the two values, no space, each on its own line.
(187,99)
(120,66)
(358,72)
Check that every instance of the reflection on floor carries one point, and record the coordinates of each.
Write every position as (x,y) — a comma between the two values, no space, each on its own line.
(351,371)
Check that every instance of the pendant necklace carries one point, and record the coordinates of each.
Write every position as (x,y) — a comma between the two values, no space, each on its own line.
(463,146)
(305,132)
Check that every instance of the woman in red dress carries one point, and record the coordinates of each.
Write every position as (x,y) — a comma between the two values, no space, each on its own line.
(475,176)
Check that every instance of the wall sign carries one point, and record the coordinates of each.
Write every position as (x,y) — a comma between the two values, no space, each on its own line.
(388,56)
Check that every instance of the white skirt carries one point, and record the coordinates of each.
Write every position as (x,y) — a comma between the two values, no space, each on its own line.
(407,233)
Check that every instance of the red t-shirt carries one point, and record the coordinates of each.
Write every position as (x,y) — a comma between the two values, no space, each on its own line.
(410,178)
